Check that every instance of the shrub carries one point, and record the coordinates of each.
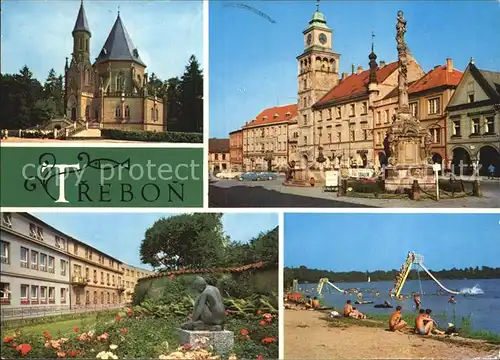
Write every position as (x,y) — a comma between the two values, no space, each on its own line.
(151,136)
(366,186)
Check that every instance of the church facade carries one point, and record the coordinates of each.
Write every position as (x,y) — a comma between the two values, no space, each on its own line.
(112,91)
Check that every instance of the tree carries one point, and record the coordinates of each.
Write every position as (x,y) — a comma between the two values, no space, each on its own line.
(53,91)
(191,97)
(185,241)
(173,103)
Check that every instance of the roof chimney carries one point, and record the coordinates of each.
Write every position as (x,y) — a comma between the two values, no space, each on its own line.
(381,64)
(449,65)
(353,67)
(344,75)
(360,69)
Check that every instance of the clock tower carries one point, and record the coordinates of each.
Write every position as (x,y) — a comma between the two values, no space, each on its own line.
(318,68)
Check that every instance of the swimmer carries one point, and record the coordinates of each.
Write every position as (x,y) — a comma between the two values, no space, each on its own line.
(452,300)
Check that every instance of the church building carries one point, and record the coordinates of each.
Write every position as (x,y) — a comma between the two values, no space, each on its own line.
(110,92)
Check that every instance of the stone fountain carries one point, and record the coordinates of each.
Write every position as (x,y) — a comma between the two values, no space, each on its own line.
(408,144)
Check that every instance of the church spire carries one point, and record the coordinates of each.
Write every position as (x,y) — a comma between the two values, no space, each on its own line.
(81,23)
(373,62)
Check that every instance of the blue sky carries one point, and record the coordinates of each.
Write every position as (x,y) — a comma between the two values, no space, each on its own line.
(252,60)
(120,234)
(368,242)
(38,33)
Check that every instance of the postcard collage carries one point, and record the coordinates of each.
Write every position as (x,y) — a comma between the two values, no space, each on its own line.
(258,179)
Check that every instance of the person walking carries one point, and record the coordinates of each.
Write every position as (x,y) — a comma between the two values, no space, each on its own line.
(491,171)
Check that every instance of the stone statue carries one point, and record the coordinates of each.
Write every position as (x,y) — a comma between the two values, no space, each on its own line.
(400,32)
(209,312)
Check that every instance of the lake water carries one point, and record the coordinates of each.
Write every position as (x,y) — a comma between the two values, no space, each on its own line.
(483,309)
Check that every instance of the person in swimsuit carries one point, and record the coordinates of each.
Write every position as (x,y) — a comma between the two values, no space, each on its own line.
(315,303)
(396,323)
(418,302)
(356,314)
(347,308)
(452,300)
(419,322)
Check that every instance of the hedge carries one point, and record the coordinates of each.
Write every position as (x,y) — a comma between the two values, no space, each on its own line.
(171,137)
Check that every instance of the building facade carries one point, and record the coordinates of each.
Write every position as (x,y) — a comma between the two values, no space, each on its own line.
(219,157)
(265,139)
(474,122)
(111,92)
(131,275)
(34,264)
(428,97)
(236,150)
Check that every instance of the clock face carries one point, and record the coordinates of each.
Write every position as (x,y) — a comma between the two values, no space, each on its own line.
(309,39)
(322,39)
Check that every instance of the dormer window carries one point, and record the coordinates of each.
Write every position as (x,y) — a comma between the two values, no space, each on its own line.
(276,115)
(264,118)
(135,53)
(288,113)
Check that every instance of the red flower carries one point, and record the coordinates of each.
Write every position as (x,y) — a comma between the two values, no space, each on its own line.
(24,349)
(46,335)
(130,313)
(73,353)
(268,340)
(260,357)
(76,329)
(259,312)
(244,332)
(118,318)
(14,345)
(123,331)
(262,322)
(8,339)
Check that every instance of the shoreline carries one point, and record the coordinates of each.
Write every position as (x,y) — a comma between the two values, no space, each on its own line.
(310,334)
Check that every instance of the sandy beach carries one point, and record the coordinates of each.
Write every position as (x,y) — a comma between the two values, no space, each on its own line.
(308,336)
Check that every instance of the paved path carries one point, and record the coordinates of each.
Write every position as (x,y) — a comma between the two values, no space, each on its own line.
(233,193)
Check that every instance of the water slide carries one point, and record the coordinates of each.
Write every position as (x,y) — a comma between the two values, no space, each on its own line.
(326,281)
(437,281)
(399,286)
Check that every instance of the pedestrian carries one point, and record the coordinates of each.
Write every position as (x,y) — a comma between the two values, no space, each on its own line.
(491,171)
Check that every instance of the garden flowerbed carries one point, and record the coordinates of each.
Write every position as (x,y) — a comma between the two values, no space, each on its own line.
(150,332)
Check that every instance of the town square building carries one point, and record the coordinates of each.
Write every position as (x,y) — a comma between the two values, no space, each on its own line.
(236,150)
(219,155)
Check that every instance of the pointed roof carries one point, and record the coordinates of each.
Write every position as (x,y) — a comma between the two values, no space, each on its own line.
(119,45)
(81,23)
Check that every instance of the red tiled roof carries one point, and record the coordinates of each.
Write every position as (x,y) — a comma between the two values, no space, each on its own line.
(218,145)
(437,77)
(273,115)
(236,269)
(356,84)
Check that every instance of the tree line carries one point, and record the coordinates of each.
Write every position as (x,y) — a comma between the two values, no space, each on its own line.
(27,103)
(306,275)
(198,241)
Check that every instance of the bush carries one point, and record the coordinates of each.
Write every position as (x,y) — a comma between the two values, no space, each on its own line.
(366,186)
(451,186)
(171,137)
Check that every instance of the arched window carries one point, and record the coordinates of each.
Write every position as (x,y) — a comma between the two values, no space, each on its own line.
(87,112)
(87,77)
(156,115)
(139,79)
(80,43)
(118,111)
(152,114)
(127,111)
(120,82)
(86,44)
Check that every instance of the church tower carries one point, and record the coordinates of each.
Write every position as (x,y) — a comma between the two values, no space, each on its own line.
(318,68)
(79,74)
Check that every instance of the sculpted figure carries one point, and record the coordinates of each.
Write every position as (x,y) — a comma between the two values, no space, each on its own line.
(209,311)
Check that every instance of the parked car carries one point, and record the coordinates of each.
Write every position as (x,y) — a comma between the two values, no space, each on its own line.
(266,175)
(228,175)
(248,176)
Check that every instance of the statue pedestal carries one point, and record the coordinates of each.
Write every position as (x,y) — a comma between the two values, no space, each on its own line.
(400,177)
(221,341)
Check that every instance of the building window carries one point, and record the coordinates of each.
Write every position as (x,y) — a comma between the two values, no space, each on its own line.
(127,112)
(34,260)
(87,297)
(118,111)
(339,112)
(456,128)
(4,252)
(329,114)
(216,156)
(7,219)
(490,125)
(102,277)
(43,294)
(4,293)
(157,117)
(34,293)
(386,120)
(51,264)
(114,298)
(63,296)
(353,135)
(24,257)
(378,138)
(113,280)
(58,242)
(108,297)
(304,117)
(64,266)
(434,106)
(43,262)
(365,108)
(75,248)
(365,134)
(120,82)
(436,135)
(87,273)
(339,136)
(52,295)
(378,118)
(353,110)
(95,275)
(107,279)
(24,293)
(95,297)
(152,114)
(476,127)
(470,98)
(127,284)
(414,108)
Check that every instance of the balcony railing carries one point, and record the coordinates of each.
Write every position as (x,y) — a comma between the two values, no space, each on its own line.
(79,281)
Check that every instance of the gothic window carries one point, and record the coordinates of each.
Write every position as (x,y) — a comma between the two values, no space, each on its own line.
(127,111)
(152,114)
(87,112)
(118,111)
(139,80)
(87,77)
(120,82)
(86,44)
(156,115)
(80,43)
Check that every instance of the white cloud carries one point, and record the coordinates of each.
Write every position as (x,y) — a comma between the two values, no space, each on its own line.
(38,34)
